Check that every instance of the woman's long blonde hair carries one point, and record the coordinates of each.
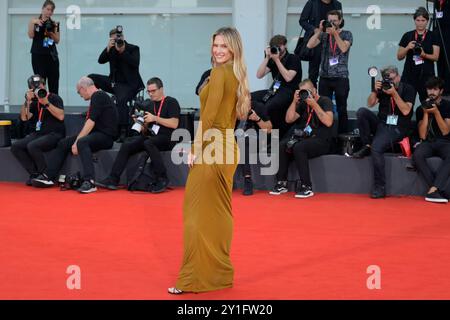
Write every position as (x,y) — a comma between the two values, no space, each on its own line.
(234,42)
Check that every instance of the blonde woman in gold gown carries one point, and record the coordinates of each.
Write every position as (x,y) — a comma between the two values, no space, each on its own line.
(207,212)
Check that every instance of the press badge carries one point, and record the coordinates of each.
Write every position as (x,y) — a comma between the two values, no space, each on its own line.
(392,120)
(276,85)
(50,41)
(439,14)
(38,125)
(45,44)
(418,60)
(155,129)
(334,61)
(308,130)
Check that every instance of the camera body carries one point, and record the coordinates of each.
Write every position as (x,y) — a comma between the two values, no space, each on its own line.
(34,84)
(386,83)
(139,122)
(275,50)
(429,103)
(417,50)
(298,135)
(326,24)
(120,42)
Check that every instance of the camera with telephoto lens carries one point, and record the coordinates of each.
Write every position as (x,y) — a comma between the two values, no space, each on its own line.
(304,95)
(326,24)
(139,121)
(298,135)
(70,182)
(119,37)
(34,84)
(429,103)
(417,50)
(275,50)
(386,83)
(40,93)
(51,26)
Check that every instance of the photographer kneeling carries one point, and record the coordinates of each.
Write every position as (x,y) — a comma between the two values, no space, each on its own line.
(46,112)
(154,123)
(98,133)
(434,129)
(309,138)
(395,110)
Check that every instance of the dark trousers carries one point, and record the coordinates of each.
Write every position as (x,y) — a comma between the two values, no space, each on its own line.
(46,67)
(427,150)
(250,141)
(314,65)
(152,145)
(303,151)
(341,88)
(94,142)
(275,107)
(384,139)
(30,151)
(122,91)
(419,85)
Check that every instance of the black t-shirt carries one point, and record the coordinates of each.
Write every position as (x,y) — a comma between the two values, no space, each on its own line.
(49,123)
(412,71)
(434,131)
(408,94)
(324,9)
(205,76)
(37,46)
(318,128)
(445,20)
(290,62)
(104,113)
(170,109)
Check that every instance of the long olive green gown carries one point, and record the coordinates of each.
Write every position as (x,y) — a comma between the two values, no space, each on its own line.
(207,212)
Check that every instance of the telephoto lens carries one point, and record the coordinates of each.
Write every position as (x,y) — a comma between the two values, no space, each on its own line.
(40,93)
(304,95)
(275,50)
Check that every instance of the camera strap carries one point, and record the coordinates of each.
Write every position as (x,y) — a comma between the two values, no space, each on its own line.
(424,35)
(310,114)
(332,48)
(393,105)
(160,107)
(40,111)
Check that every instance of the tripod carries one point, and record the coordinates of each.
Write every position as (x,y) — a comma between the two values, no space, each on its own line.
(436,26)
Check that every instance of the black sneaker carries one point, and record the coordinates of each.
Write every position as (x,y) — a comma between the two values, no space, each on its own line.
(29,182)
(378,193)
(363,152)
(436,197)
(248,187)
(303,191)
(160,185)
(42,181)
(108,183)
(88,186)
(280,188)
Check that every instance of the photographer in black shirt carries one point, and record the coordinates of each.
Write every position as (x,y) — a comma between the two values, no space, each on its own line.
(433,119)
(46,112)
(98,133)
(124,80)
(153,135)
(420,49)
(380,133)
(310,137)
(44,55)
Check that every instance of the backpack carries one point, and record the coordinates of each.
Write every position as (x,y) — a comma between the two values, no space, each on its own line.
(142,179)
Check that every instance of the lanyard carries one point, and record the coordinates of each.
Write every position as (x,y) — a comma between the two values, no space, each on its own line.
(393,105)
(423,36)
(40,111)
(441,4)
(160,107)
(310,113)
(331,46)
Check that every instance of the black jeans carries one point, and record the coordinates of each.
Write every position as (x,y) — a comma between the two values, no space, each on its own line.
(341,88)
(314,65)
(418,84)
(94,142)
(276,107)
(123,93)
(152,145)
(303,151)
(367,123)
(425,150)
(30,150)
(46,67)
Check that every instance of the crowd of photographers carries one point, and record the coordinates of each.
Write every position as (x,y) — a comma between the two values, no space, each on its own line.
(302,111)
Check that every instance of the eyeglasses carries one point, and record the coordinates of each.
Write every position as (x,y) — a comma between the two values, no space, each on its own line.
(152,91)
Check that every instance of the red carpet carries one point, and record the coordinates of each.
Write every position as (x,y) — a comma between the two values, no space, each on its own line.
(129,246)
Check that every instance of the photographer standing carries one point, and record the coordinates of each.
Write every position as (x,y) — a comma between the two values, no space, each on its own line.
(434,129)
(44,55)
(396,100)
(310,138)
(162,115)
(420,48)
(124,80)
(334,73)
(46,111)
(98,133)
(313,13)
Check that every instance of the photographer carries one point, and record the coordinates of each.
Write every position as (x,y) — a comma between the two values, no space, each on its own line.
(420,48)
(396,100)
(44,55)
(442,27)
(286,72)
(46,112)
(313,13)
(309,138)
(124,80)
(434,129)
(98,133)
(334,73)
(153,136)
